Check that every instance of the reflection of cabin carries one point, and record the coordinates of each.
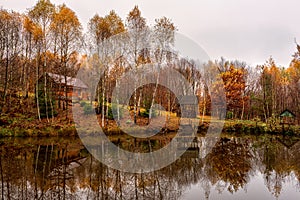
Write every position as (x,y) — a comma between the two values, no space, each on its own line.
(188,144)
(75,87)
(288,142)
(59,160)
(188,106)
(287,117)
(190,153)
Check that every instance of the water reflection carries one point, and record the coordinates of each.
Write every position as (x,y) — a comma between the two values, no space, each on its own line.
(63,169)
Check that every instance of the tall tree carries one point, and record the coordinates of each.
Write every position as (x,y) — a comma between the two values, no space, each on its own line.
(138,42)
(101,29)
(293,99)
(270,86)
(10,47)
(164,36)
(42,15)
(235,83)
(68,31)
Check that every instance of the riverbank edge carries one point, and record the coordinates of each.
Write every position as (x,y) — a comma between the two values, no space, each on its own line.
(235,128)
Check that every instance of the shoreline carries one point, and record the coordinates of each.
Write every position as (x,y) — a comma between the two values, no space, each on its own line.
(231,127)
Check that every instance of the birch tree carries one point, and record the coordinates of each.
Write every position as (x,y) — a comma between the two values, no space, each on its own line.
(137,28)
(68,31)
(101,29)
(42,15)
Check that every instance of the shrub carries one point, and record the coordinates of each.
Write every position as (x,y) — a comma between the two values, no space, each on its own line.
(229,115)
(114,111)
(82,103)
(145,113)
(88,109)
(47,106)
(4,132)
(110,113)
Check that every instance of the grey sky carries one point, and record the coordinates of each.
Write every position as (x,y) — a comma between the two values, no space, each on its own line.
(248,30)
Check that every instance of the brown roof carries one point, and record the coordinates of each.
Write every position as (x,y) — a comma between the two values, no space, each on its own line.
(75,82)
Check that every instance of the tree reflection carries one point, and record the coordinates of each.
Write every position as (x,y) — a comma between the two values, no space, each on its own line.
(64,170)
(280,158)
(230,162)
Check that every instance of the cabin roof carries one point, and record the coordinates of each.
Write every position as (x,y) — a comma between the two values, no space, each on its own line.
(75,82)
(287,113)
(188,100)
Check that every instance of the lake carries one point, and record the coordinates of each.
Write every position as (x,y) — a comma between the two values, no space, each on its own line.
(263,167)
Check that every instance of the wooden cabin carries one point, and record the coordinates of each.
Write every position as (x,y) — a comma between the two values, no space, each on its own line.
(75,87)
(287,117)
(188,106)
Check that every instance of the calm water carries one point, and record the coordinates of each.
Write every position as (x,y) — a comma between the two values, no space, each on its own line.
(239,168)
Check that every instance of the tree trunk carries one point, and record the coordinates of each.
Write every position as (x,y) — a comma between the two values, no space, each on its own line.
(6,73)
(103,101)
(153,95)
(37,89)
(66,84)
(242,115)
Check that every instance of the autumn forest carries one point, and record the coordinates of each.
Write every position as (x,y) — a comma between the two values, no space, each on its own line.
(50,39)
(112,109)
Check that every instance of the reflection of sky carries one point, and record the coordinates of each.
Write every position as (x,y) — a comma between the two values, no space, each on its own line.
(255,189)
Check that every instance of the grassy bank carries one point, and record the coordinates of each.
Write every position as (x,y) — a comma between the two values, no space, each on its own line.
(231,127)
(18,125)
(253,127)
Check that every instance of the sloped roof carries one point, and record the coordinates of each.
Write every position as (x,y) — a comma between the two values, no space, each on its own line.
(188,100)
(75,82)
(287,113)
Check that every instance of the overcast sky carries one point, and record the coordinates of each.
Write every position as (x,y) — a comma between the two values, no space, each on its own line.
(247,30)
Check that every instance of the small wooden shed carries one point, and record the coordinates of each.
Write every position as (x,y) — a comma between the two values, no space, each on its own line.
(287,117)
(189,106)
